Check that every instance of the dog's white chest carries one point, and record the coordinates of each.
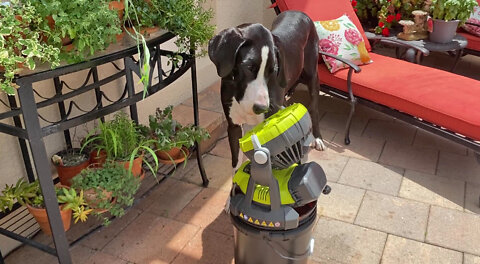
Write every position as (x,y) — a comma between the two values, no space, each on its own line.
(241,116)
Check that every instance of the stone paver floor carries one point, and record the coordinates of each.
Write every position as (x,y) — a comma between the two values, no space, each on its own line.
(399,195)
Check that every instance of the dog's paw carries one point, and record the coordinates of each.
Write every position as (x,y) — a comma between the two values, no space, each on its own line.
(319,145)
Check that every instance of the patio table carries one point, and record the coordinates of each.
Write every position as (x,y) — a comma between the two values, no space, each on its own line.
(28,104)
(454,47)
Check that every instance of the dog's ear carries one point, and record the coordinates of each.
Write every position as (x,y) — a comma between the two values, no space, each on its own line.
(223,48)
(280,66)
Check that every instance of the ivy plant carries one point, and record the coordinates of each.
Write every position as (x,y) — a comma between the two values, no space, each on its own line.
(89,24)
(21,44)
(114,178)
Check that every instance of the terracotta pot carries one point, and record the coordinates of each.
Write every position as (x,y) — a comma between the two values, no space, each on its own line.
(145,31)
(40,214)
(66,173)
(66,41)
(137,165)
(173,156)
(120,36)
(97,159)
(119,6)
(92,200)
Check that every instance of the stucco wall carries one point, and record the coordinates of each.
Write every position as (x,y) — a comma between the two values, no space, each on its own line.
(228,13)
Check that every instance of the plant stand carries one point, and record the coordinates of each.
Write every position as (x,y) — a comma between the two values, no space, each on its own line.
(32,131)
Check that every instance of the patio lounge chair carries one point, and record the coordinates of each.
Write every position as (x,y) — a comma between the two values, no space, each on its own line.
(441,102)
(473,46)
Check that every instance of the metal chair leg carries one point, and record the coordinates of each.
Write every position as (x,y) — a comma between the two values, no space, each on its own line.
(353,101)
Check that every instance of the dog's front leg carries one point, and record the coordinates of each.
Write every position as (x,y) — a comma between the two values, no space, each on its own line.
(234,134)
(313,111)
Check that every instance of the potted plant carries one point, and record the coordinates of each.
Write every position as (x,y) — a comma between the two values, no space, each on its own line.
(447,15)
(172,140)
(121,140)
(69,163)
(89,26)
(20,43)
(109,188)
(143,16)
(30,195)
(188,20)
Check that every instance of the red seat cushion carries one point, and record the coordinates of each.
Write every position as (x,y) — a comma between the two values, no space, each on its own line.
(437,96)
(324,10)
(473,41)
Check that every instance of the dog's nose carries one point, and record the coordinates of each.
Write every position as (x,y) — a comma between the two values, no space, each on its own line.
(260,109)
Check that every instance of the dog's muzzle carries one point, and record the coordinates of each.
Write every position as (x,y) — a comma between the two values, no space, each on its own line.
(260,109)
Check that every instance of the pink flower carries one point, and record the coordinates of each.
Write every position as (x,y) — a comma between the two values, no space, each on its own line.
(336,39)
(328,46)
(353,36)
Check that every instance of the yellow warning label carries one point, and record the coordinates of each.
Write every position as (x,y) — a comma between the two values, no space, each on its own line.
(241,215)
(257,222)
(271,224)
(250,220)
(264,223)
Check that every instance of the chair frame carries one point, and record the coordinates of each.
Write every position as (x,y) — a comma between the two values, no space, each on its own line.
(471,51)
(413,120)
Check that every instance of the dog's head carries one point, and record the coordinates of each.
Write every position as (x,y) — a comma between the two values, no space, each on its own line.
(247,57)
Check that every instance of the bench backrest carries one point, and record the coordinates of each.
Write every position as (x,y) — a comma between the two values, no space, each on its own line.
(319,10)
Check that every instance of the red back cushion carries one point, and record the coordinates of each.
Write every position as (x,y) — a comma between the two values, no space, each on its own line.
(319,10)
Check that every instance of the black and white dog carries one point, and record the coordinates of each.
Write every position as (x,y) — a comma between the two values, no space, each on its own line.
(260,67)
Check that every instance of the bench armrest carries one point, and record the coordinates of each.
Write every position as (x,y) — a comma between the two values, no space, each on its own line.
(348,62)
(396,42)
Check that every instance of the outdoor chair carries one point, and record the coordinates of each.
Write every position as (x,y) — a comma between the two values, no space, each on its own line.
(440,102)
(473,46)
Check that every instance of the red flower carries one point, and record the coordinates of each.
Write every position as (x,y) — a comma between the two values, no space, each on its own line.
(386,32)
(390,18)
(354,3)
(355,10)
(381,24)
(399,16)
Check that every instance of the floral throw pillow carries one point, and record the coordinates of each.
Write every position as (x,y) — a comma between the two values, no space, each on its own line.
(341,37)
(475,19)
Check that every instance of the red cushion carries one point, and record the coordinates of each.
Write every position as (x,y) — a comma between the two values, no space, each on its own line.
(319,10)
(473,41)
(437,96)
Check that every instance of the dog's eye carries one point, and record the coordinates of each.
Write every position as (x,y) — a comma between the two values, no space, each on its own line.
(252,68)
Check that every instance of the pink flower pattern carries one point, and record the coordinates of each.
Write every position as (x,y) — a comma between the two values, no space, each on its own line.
(473,29)
(353,36)
(343,42)
(326,45)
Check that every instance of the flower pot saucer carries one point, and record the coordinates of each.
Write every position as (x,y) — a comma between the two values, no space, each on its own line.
(176,160)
